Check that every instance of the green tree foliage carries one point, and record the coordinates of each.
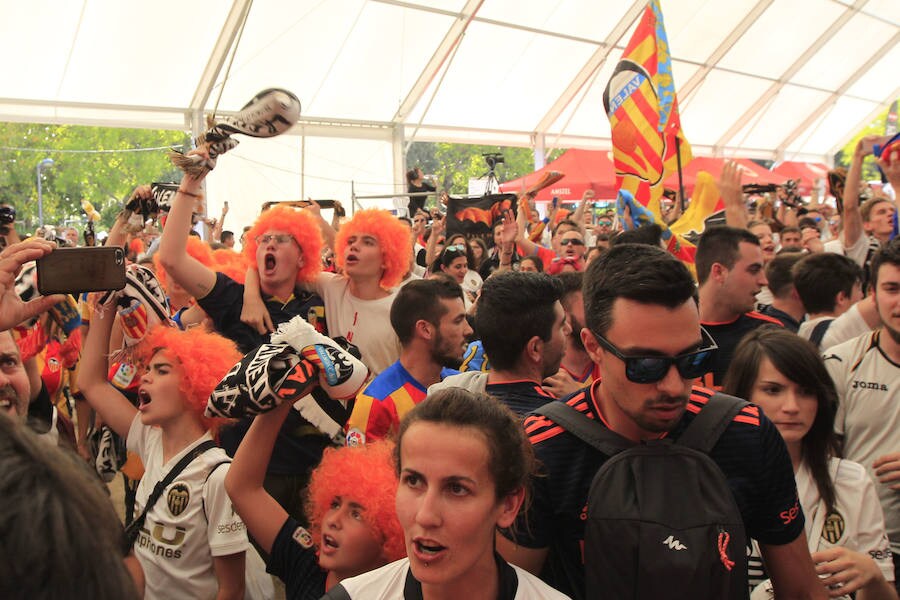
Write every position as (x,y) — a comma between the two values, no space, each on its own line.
(79,170)
(452,165)
(870,170)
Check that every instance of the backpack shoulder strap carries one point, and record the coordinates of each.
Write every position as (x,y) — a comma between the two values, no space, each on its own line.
(606,441)
(818,332)
(711,422)
(133,528)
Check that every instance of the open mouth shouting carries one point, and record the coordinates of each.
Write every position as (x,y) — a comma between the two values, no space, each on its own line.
(269,262)
(144,399)
(329,545)
(426,550)
(9,401)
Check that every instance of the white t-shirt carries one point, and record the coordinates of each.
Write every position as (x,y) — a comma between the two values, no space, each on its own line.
(387,583)
(860,250)
(845,327)
(192,521)
(868,412)
(364,323)
(857,521)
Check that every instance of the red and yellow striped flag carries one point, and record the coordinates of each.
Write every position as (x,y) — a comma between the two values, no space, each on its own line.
(643,113)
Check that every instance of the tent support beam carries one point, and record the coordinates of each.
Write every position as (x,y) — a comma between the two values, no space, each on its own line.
(834,97)
(399,158)
(778,85)
(685,91)
(452,38)
(238,14)
(593,64)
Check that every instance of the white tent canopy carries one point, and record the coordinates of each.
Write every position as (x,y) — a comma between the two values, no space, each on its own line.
(777,79)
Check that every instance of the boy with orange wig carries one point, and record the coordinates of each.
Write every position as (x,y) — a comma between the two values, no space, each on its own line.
(354,526)
(190,544)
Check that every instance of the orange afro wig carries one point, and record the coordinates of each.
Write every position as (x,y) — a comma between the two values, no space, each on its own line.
(393,236)
(299,224)
(204,357)
(365,475)
(136,246)
(196,248)
(230,263)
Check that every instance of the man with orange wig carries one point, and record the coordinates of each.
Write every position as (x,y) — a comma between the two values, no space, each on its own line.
(283,246)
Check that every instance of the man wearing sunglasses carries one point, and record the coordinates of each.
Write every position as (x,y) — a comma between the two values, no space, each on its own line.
(642,329)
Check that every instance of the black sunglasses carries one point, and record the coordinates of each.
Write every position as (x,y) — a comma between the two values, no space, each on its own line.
(575,241)
(650,369)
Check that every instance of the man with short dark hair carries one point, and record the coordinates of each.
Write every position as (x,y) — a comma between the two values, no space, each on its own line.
(523,328)
(730,272)
(830,287)
(643,331)
(577,369)
(866,373)
(786,305)
(429,318)
(790,237)
(228,239)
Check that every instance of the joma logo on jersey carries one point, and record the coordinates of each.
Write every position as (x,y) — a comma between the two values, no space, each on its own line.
(869,385)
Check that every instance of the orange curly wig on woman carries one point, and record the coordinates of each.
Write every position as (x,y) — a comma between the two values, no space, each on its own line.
(393,236)
(299,224)
(204,357)
(365,475)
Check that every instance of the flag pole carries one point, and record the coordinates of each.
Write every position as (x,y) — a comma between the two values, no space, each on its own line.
(680,178)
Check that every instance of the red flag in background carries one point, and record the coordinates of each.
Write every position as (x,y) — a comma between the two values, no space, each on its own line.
(643,113)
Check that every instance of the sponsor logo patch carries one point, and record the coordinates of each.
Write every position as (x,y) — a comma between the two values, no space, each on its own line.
(303,537)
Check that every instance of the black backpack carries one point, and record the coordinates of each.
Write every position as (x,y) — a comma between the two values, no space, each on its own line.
(662,522)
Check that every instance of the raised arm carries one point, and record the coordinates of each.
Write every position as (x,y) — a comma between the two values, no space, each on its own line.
(851,218)
(263,515)
(187,271)
(220,224)
(578,215)
(437,229)
(733,195)
(328,231)
(115,410)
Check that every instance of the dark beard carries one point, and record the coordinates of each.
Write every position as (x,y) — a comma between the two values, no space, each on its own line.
(895,335)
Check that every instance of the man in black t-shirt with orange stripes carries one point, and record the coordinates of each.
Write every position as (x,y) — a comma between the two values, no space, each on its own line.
(643,331)
(731,273)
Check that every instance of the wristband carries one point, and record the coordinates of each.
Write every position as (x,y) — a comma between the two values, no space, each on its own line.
(191,194)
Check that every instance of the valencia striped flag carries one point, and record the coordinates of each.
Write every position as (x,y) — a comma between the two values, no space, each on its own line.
(643,113)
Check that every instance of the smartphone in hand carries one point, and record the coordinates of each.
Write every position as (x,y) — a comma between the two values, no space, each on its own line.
(76,270)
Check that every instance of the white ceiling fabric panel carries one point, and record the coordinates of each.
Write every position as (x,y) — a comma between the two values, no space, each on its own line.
(768,77)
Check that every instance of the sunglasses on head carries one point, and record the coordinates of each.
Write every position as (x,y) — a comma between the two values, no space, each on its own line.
(574,241)
(650,369)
